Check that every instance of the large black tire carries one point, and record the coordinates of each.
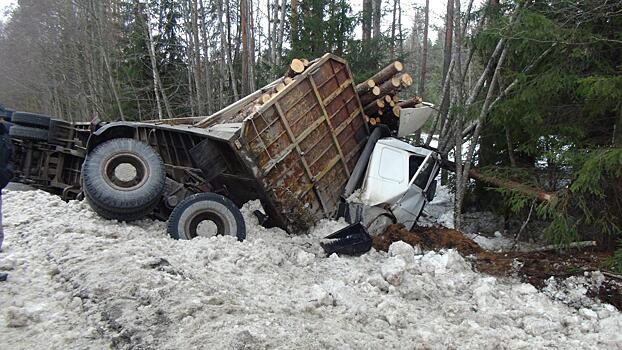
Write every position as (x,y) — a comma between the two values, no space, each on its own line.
(28,133)
(187,215)
(117,198)
(31,120)
(111,215)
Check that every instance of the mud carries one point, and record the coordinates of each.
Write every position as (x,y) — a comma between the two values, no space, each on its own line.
(428,237)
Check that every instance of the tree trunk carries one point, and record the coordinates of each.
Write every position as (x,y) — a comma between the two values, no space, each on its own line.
(157,83)
(245,46)
(234,84)
(293,24)
(207,84)
(367,19)
(447,58)
(476,174)
(393,29)
(377,16)
(280,34)
(194,24)
(462,178)
(424,54)
(222,69)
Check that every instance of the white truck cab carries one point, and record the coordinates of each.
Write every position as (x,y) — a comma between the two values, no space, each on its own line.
(394,178)
(400,176)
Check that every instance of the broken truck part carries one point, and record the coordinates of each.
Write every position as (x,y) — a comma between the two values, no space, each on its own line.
(294,145)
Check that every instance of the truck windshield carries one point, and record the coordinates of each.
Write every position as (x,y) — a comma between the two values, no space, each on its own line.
(414,163)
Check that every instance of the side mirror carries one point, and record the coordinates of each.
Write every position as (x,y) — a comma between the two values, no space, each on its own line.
(431,192)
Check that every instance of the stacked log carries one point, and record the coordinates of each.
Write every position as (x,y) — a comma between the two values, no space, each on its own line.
(379,95)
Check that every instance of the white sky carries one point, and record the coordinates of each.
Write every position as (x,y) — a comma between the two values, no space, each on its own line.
(437,11)
(3,6)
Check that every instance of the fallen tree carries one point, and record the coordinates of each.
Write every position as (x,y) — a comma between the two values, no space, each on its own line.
(476,174)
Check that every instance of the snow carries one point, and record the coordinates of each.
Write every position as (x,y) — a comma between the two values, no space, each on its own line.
(78,281)
(498,243)
(440,209)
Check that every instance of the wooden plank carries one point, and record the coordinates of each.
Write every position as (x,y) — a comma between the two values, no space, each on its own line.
(300,153)
(330,127)
(337,92)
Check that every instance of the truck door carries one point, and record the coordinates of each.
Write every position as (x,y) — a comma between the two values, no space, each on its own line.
(407,209)
(387,177)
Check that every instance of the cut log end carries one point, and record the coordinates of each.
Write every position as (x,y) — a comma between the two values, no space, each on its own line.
(375,90)
(280,87)
(407,80)
(396,111)
(398,66)
(297,66)
(396,81)
(305,62)
(388,98)
(370,83)
(372,121)
(288,80)
(380,103)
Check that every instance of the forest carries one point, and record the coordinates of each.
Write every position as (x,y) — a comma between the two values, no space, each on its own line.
(526,91)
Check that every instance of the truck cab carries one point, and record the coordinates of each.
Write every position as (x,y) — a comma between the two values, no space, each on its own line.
(393,179)
(400,177)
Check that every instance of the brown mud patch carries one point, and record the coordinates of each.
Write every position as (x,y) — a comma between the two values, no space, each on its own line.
(531,267)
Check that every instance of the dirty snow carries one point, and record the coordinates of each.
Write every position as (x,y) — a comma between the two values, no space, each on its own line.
(80,282)
(440,210)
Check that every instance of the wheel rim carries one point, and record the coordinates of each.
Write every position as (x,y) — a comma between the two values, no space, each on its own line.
(125,172)
(193,227)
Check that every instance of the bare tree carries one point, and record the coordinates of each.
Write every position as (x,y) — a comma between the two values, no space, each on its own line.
(367,20)
(424,51)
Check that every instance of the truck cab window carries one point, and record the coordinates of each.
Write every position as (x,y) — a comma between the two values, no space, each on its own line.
(414,162)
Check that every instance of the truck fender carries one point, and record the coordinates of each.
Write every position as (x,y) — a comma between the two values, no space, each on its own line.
(108,132)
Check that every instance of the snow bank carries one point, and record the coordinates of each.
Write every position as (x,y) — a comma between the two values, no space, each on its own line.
(78,281)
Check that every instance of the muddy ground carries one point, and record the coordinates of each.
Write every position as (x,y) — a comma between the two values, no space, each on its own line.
(536,268)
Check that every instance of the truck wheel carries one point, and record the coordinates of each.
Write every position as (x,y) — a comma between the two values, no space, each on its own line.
(31,119)
(27,133)
(205,215)
(113,215)
(124,179)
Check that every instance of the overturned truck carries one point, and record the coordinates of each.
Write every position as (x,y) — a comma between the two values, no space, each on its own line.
(301,145)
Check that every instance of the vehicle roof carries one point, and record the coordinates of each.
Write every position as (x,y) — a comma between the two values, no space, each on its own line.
(405,146)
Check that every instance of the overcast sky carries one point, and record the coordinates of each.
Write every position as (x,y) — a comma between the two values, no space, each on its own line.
(4,4)
(437,9)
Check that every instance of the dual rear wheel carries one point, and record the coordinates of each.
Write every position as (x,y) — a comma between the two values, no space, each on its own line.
(124,179)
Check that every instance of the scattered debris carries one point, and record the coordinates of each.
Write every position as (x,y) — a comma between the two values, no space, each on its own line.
(350,240)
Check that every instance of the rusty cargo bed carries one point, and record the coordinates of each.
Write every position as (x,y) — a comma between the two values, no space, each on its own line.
(303,143)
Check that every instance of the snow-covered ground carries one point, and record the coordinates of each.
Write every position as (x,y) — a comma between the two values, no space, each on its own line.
(79,282)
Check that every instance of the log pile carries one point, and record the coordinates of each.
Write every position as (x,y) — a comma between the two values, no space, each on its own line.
(379,95)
